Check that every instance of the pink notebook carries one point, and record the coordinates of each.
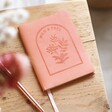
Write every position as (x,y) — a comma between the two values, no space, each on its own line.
(55,49)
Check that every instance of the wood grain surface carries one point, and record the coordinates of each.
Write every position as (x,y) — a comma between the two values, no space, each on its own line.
(86,94)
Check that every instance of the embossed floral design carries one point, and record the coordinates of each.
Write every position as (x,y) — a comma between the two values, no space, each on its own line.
(58,49)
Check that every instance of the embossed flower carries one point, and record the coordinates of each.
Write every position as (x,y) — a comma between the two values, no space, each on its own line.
(52,48)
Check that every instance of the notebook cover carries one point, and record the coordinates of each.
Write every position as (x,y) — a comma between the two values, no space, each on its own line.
(55,49)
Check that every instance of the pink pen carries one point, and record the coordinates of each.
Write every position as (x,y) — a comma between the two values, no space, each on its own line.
(4,70)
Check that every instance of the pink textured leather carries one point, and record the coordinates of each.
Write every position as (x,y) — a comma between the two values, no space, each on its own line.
(55,49)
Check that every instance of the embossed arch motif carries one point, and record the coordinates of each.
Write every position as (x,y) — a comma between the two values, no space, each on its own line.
(55,47)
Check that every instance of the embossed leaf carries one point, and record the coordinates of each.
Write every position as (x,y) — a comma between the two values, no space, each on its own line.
(63,42)
(53,38)
(56,57)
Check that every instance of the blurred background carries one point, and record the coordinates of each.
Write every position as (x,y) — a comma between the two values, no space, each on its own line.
(101,14)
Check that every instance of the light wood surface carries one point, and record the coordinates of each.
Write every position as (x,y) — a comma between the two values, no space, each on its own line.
(86,94)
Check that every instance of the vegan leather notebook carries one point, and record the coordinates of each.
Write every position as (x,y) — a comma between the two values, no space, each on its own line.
(55,49)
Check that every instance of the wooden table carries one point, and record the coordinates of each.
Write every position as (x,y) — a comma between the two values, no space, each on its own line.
(86,94)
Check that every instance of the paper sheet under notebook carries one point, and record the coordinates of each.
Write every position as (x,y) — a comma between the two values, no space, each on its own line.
(55,49)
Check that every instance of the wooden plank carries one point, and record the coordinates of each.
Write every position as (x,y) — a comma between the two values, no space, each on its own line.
(86,94)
